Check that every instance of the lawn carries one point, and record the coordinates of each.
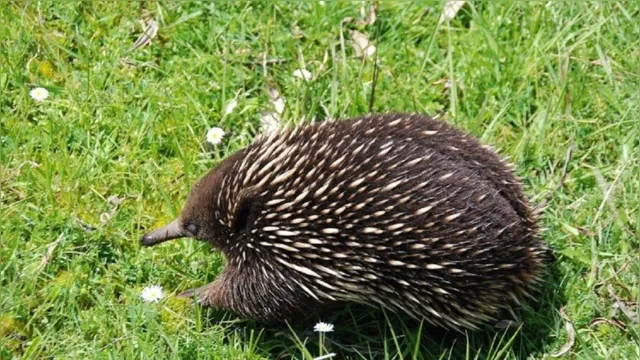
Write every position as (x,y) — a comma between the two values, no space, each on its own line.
(114,148)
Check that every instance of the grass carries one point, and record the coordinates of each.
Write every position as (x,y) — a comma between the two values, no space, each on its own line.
(114,149)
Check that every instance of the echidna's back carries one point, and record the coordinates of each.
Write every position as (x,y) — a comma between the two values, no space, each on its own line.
(454,144)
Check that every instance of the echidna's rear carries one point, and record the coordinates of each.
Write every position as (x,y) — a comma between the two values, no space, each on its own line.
(396,210)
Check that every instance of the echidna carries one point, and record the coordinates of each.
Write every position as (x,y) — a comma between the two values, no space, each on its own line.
(396,210)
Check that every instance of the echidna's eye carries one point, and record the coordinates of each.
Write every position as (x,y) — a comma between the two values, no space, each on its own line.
(191,229)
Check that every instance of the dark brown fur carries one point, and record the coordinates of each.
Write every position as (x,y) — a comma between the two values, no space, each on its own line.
(397,210)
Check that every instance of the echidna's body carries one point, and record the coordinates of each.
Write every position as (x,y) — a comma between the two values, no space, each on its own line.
(396,210)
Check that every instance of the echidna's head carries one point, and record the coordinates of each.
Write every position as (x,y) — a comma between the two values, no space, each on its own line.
(200,218)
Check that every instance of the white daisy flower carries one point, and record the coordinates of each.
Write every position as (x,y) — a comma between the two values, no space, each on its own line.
(323,327)
(302,74)
(215,135)
(152,293)
(39,94)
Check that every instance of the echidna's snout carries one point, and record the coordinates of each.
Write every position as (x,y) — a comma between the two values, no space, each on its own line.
(172,230)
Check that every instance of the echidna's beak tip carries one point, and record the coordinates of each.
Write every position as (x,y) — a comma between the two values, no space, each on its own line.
(171,231)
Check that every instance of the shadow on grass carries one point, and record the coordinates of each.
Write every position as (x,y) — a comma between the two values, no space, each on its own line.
(366,333)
